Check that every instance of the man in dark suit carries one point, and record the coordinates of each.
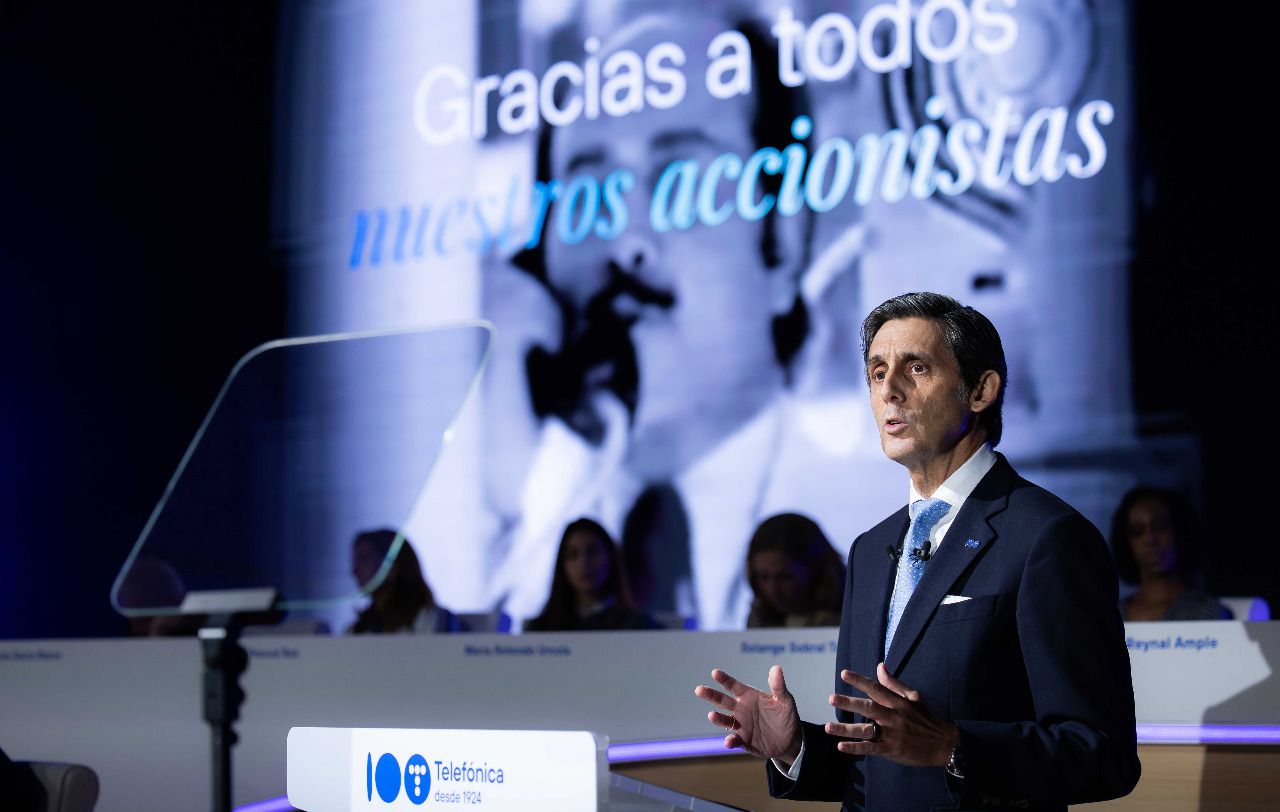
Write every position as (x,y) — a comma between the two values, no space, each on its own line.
(982,661)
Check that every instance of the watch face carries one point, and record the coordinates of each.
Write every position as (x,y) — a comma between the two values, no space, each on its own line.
(955,764)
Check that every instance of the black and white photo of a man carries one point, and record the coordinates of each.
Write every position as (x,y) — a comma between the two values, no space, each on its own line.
(664,399)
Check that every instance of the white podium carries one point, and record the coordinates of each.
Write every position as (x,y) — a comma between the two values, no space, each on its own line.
(388,769)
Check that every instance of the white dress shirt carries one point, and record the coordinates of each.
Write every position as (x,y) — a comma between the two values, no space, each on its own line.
(954,491)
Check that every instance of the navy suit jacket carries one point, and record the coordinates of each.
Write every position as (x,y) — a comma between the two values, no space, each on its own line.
(1032,668)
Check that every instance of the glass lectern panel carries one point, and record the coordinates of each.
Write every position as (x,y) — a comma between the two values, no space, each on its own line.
(309,443)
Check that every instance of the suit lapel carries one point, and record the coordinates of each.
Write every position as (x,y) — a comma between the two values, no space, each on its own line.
(968,536)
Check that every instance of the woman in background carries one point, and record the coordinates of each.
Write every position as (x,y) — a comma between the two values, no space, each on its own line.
(402,602)
(1155,540)
(589,590)
(797,578)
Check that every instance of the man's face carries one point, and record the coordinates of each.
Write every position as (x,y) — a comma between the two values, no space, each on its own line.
(917,395)
(699,301)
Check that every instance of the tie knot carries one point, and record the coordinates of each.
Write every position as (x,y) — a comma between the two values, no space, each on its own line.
(925,513)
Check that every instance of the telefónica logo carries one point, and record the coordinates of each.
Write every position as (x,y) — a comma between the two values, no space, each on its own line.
(386,780)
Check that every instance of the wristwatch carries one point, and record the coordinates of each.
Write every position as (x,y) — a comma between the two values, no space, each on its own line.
(955,764)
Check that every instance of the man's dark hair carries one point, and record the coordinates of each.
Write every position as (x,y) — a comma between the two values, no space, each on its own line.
(971,337)
(1186,533)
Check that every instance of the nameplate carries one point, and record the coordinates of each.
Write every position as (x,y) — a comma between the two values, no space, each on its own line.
(386,769)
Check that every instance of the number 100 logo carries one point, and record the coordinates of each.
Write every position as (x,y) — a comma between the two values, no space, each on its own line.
(386,779)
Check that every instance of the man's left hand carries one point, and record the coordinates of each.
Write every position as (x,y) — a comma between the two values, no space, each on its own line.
(909,732)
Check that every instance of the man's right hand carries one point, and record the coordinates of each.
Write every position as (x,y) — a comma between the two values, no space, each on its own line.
(765,724)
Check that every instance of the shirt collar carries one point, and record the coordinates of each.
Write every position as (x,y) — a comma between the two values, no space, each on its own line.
(957,487)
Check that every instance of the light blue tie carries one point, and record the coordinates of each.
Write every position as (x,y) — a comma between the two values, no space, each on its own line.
(925,514)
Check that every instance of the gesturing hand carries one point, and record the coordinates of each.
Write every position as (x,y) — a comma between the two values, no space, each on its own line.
(763,724)
(908,731)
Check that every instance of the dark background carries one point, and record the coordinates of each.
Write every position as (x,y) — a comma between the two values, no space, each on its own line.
(138,263)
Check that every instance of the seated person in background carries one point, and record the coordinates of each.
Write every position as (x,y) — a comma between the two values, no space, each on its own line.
(1155,540)
(589,591)
(152,585)
(402,602)
(797,578)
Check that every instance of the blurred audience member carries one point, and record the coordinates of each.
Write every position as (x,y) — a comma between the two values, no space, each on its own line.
(1155,538)
(402,602)
(797,578)
(589,590)
(150,587)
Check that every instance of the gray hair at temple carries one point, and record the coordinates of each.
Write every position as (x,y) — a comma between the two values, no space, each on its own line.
(971,337)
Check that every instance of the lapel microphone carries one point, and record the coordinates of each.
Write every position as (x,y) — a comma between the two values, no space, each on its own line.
(918,553)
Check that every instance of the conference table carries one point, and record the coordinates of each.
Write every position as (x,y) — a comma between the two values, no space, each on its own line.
(1208,704)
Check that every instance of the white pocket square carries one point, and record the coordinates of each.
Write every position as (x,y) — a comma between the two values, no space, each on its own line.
(954,599)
